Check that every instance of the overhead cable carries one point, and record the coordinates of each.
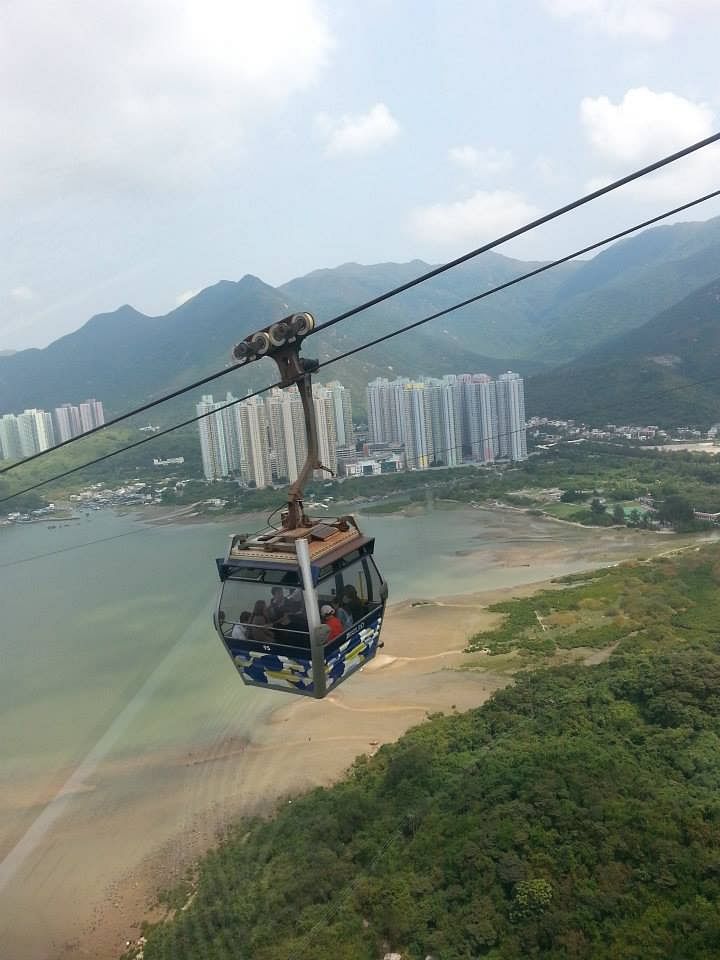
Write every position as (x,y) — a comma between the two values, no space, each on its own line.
(371,343)
(123,416)
(521,278)
(546,218)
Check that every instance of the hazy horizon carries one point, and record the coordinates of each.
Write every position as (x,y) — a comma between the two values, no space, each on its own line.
(230,138)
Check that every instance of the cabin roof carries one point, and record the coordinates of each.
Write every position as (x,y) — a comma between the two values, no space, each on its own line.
(327,541)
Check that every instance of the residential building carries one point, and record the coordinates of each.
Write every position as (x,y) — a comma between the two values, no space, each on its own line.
(342,408)
(425,422)
(417,425)
(446,437)
(36,432)
(385,410)
(213,444)
(512,434)
(254,443)
(287,433)
(67,422)
(70,420)
(10,447)
(91,414)
(326,431)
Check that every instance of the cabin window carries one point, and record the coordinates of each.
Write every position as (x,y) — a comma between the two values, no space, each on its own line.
(354,588)
(263,612)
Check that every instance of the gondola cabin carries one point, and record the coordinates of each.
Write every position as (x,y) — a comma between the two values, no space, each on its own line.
(272,613)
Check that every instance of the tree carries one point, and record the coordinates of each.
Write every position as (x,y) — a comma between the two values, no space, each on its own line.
(597,507)
(618,513)
(635,517)
(531,898)
(678,511)
(572,496)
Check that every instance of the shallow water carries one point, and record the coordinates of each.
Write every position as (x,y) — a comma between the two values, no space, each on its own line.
(108,659)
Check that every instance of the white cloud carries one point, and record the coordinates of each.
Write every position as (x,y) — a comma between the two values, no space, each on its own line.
(110,96)
(480,217)
(358,134)
(644,125)
(548,169)
(481,162)
(182,298)
(22,294)
(653,20)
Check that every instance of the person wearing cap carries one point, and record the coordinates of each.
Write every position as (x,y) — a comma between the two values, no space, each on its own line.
(330,620)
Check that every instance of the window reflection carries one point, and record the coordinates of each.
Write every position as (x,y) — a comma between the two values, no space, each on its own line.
(265,613)
(352,590)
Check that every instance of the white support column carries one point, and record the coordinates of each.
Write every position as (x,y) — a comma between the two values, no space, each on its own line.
(317,646)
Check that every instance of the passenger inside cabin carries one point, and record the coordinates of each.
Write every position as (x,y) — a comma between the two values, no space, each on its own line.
(240,630)
(279,611)
(276,607)
(260,629)
(297,623)
(352,604)
(332,621)
(344,617)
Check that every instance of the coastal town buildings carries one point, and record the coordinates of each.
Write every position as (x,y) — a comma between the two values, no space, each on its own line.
(413,424)
(442,421)
(511,416)
(262,440)
(34,430)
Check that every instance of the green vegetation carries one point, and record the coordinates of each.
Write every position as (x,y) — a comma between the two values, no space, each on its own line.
(551,319)
(575,815)
(118,469)
(616,473)
(611,604)
(664,372)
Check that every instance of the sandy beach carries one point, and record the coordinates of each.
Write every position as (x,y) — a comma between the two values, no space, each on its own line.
(304,744)
(133,822)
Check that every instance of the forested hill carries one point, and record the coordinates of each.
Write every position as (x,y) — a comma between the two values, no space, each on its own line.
(125,357)
(573,817)
(665,371)
(627,285)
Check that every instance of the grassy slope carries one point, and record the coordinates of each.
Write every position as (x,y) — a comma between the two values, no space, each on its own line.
(574,816)
(663,372)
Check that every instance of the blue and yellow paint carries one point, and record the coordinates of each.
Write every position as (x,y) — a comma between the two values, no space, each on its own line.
(295,674)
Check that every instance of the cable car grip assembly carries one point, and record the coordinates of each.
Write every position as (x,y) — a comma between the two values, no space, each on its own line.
(281,341)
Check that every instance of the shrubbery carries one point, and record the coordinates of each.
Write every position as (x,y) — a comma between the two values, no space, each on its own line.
(575,815)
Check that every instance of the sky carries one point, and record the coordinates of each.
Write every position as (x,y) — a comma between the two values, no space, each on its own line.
(152,149)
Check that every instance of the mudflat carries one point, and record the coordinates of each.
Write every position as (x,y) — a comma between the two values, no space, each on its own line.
(85,848)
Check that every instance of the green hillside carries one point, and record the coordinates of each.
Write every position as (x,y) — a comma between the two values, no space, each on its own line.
(500,326)
(125,357)
(627,285)
(575,815)
(665,372)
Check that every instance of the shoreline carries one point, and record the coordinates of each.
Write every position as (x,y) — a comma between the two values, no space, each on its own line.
(309,744)
(159,516)
(313,743)
(141,819)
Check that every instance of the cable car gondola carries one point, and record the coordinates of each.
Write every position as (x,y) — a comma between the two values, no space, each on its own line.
(275,585)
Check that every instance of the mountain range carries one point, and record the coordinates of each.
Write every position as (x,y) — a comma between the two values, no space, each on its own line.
(639,318)
(665,371)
